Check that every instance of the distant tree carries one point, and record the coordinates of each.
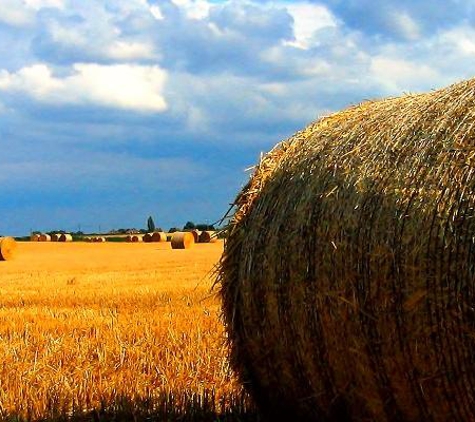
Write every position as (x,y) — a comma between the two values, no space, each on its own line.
(189,225)
(172,230)
(150,224)
(203,227)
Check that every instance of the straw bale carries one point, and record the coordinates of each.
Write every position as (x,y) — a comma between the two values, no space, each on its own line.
(99,239)
(65,237)
(7,248)
(348,276)
(44,237)
(55,237)
(183,240)
(159,237)
(147,237)
(129,238)
(35,237)
(196,235)
(136,238)
(207,237)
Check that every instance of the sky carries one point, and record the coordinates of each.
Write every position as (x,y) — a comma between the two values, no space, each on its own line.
(114,110)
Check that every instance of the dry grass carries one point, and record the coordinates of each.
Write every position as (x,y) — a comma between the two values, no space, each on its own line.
(88,326)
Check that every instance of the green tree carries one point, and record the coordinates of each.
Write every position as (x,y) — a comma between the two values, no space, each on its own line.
(189,226)
(150,224)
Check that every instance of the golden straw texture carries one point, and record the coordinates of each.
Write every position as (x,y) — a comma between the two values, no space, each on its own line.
(7,248)
(182,240)
(348,272)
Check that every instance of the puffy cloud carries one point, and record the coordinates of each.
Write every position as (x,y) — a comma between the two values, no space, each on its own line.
(14,12)
(309,19)
(211,84)
(117,86)
(39,4)
(194,9)
(398,75)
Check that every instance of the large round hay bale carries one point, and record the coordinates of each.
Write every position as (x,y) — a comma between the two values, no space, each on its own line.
(207,237)
(55,237)
(35,237)
(348,277)
(7,248)
(44,237)
(147,237)
(182,240)
(159,237)
(196,235)
(99,239)
(136,238)
(65,237)
(128,238)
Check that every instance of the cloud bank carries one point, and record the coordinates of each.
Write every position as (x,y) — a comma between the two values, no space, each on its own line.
(204,85)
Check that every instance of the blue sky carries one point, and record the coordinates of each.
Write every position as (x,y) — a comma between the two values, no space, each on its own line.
(114,110)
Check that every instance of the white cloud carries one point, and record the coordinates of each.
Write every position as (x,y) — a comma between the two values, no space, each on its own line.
(14,12)
(22,12)
(117,86)
(405,25)
(156,12)
(122,50)
(194,9)
(397,75)
(461,39)
(39,4)
(308,20)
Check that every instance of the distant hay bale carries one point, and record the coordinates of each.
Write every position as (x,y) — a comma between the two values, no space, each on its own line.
(65,237)
(207,237)
(55,237)
(159,237)
(136,238)
(7,248)
(44,237)
(129,238)
(348,276)
(196,234)
(147,237)
(100,239)
(182,240)
(35,237)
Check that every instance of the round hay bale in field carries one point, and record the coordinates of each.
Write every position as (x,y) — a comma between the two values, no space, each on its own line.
(65,237)
(55,237)
(196,235)
(182,240)
(35,237)
(44,237)
(128,238)
(348,276)
(100,239)
(159,237)
(136,238)
(147,237)
(207,237)
(7,248)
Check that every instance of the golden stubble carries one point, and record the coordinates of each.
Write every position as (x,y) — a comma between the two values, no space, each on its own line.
(84,324)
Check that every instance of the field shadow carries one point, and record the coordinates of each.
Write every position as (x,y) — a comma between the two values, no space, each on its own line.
(182,406)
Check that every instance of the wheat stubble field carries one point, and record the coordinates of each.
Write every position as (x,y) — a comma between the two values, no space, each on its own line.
(114,330)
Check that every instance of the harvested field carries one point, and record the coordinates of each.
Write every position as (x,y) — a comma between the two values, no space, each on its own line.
(131,329)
